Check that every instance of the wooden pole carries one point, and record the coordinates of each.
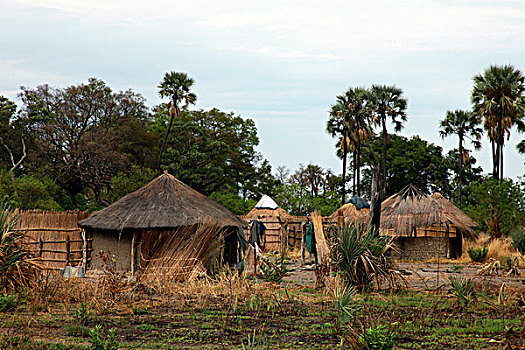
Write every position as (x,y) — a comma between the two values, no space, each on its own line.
(40,247)
(133,251)
(68,250)
(84,249)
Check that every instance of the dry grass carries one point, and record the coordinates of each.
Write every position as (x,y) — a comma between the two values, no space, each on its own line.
(498,249)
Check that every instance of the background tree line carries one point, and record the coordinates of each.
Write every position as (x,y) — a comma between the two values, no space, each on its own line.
(85,146)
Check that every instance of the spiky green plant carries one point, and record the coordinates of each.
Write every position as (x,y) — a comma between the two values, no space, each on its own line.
(360,255)
(17,263)
(464,290)
(346,304)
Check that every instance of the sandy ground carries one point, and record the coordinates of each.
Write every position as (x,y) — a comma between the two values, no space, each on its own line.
(419,275)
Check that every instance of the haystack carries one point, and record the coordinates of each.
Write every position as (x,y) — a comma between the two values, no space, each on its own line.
(425,227)
(165,219)
(266,208)
(349,214)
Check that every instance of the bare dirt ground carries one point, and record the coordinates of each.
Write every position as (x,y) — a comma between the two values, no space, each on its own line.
(418,275)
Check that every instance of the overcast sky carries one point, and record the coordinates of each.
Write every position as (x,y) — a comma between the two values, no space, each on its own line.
(280,63)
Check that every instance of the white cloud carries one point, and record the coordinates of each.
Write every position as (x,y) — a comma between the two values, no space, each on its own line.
(272,51)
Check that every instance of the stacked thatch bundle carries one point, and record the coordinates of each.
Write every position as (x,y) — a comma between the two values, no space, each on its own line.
(165,218)
(349,214)
(266,208)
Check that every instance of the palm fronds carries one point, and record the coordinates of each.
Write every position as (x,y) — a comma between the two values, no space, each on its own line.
(360,255)
(18,266)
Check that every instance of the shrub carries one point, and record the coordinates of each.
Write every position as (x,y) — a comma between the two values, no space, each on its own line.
(83,314)
(8,302)
(17,264)
(377,338)
(518,240)
(274,272)
(360,255)
(464,290)
(99,342)
(478,254)
(346,304)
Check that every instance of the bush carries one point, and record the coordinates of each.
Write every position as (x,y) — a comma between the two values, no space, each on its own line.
(377,338)
(83,314)
(464,290)
(518,240)
(17,266)
(478,254)
(274,272)
(99,342)
(8,302)
(360,255)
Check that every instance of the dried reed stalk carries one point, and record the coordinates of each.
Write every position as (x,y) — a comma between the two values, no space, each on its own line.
(180,255)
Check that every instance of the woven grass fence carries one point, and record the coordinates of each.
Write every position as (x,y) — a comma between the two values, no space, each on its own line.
(55,237)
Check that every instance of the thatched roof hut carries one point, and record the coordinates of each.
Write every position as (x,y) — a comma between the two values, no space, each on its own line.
(431,222)
(163,203)
(411,209)
(266,208)
(164,219)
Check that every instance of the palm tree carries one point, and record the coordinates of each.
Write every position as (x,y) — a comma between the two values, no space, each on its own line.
(498,97)
(464,124)
(177,86)
(387,102)
(350,120)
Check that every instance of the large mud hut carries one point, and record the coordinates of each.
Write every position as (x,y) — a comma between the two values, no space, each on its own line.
(425,226)
(165,225)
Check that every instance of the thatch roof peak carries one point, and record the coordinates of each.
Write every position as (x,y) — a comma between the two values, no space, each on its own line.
(411,208)
(163,203)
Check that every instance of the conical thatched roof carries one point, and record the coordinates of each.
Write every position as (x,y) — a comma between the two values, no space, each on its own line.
(454,214)
(411,208)
(163,203)
(267,207)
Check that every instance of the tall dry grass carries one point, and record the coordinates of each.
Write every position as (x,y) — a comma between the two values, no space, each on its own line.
(499,249)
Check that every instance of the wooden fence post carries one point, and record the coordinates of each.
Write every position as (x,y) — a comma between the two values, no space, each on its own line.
(68,250)
(40,247)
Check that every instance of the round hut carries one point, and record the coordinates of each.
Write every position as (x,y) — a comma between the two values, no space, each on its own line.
(272,216)
(425,227)
(165,224)
(266,209)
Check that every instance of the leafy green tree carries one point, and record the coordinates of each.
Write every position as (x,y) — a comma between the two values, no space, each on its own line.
(176,86)
(409,160)
(498,97)
(470,173)
(235,203)
(12,142)
(82,135)
(296,199)
(214,151)
(464,124)
(498,206)
(126,182)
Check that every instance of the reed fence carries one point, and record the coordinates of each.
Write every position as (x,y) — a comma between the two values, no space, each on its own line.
(54,236)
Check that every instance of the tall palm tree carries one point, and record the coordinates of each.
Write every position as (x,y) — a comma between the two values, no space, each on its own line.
(464,124)
(177,86)
(498,97)
(387,102)
(350,120)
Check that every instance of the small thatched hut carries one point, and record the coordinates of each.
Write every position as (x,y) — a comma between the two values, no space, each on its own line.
(266,209)
(424,226)
(168,221)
